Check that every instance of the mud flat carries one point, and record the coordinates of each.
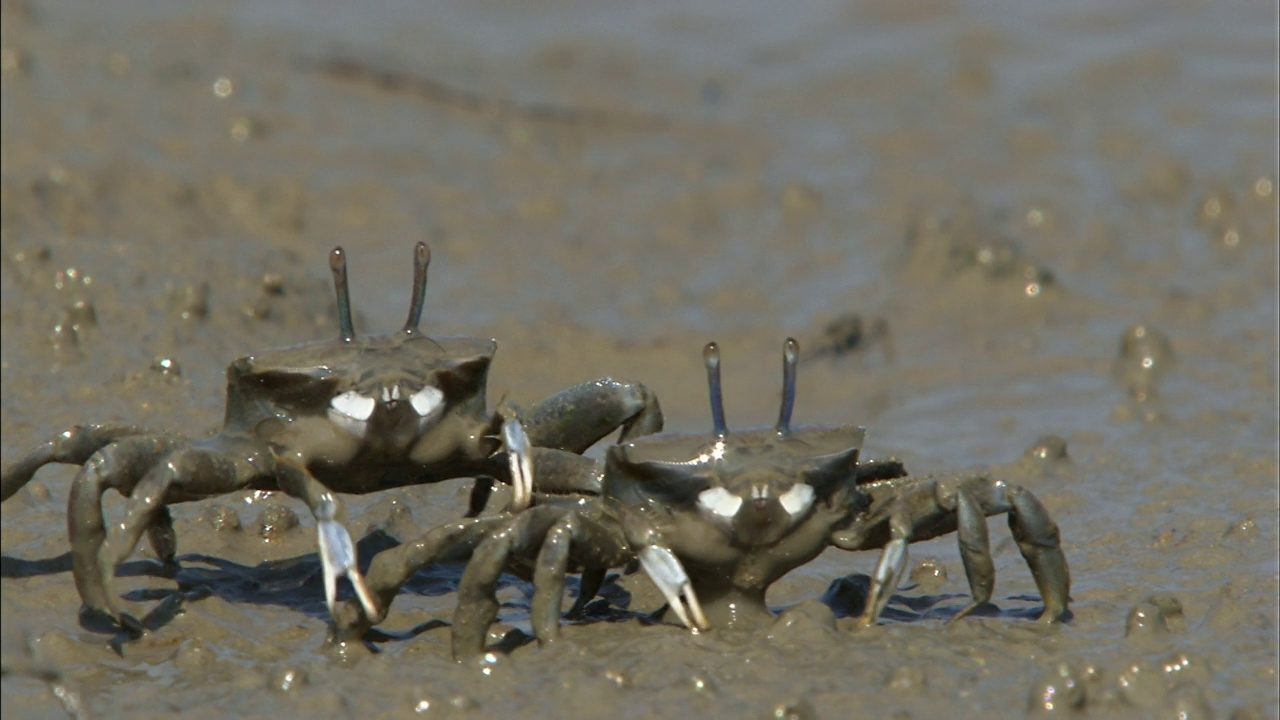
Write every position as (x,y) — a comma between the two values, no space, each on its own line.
(1041,241)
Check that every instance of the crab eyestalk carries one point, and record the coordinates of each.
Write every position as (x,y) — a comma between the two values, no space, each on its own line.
(421,260)
(711,356)
(790,356)
(338,266)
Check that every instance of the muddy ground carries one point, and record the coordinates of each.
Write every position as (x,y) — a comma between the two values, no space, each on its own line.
(964,211)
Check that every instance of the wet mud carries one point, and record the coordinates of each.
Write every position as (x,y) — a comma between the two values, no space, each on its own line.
(1036,241)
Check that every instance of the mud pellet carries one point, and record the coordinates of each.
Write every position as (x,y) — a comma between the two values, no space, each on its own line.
(1144,619)
(1144,349)
(38,491)
(192,301)
(799,709)
(929,575)
(906,678)
(1187,702)
(221,518)
(168,367)
(1049,449)
(1141,686)
(1060,691)
(704,685)
(1245,529)
(193,655)
(275,521)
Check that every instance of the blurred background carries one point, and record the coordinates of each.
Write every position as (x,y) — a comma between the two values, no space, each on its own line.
(997,229)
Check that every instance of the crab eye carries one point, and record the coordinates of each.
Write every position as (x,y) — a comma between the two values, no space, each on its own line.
(797,499)
(719,501)
(353,405)
(427,401)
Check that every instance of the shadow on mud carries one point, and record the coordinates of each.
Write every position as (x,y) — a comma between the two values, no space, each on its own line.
(11,567)
(297,583)
(847,597)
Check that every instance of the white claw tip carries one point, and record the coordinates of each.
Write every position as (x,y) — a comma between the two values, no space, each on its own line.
(338,557)
(519,463)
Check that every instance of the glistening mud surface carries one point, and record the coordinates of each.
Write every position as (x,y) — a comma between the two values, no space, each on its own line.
(988,198)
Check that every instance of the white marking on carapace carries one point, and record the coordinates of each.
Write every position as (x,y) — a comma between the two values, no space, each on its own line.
(353,405)
(350,410)
(797,499)
(427,402)
(719,501)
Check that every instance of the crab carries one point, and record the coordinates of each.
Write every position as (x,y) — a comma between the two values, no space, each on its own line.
(352,415)
(715,520)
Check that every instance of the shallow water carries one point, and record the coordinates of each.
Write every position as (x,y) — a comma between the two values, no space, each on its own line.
(999,191)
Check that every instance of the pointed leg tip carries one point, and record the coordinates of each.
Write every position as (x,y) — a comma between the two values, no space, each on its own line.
(131,624)
(349,623)
(1055,616)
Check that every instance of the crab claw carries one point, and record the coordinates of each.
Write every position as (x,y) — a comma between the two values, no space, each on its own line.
(338,557)
(665,570)
(519,460)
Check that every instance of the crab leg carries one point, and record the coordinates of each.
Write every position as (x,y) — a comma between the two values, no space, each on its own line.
(595,545)
(665,570)
(558,472)
(977,496)
(1040,545)
(71,447)
(589,583)
(975,551)
(869,471)
(892,562)
(392,568)
(119,465)
(477,591)
(579,417)
(916,509)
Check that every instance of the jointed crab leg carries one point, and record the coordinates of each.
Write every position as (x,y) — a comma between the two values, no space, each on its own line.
(477,599)
(119,465)
(575,419)
(71,447)
(913,509)
(887,577)
(595,545)
(557,471)
(562,533)
(1038,541)
(391,569)
(156,471)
